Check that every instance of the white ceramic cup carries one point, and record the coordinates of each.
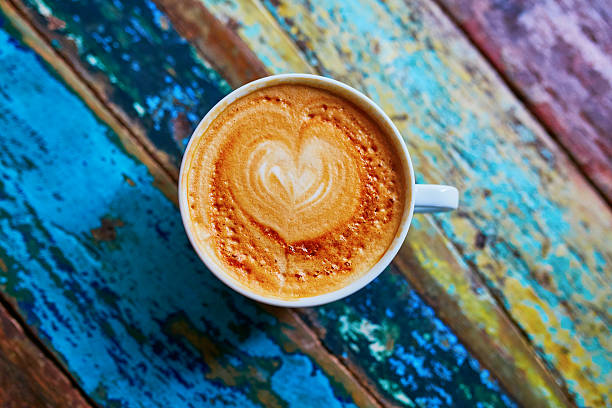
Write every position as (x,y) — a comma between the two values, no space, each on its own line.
(420,198)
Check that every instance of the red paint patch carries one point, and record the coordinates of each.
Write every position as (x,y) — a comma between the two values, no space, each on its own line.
(129,181)
(164,23)
(54,23)
(181,129)
(106,231)
(481,39)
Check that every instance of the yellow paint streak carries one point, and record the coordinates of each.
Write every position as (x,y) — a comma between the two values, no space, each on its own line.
(440,261)
(540,323)
(309,30)
(280,52)
(566,351)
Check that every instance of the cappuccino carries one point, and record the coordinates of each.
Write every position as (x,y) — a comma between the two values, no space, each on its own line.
(294,191)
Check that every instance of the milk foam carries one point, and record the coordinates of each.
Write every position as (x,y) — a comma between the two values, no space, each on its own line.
(295,191)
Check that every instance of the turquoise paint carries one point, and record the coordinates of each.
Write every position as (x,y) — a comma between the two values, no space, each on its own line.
(290,387)
(600,261)
(411,354)
(254,31)
(155,72)
(259,345)
(103,307)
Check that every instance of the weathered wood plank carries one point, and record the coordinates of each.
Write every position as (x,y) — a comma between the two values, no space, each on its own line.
(131,137)
(474,386)
(29,379)
(156,99)
(543,254)
(96,260)
(214,41)
(387,332)
(292,329)
(556,54)
(257,28)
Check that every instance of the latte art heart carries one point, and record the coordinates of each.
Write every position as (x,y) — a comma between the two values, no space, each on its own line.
(294,191)
(293,182)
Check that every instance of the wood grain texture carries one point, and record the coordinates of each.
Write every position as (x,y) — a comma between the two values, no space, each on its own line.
(155,98)
(97,260)
(457,376)
(557,55)
(28,379)
(259,29)
(130,137)
(542,255)
(214,41)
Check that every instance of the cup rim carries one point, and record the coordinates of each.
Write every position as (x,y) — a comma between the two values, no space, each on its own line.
(342,90)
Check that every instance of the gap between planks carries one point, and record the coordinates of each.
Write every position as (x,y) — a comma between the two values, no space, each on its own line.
(166,180)
(8,309)
(522,99)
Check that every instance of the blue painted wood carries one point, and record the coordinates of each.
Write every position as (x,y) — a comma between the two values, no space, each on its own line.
(98,262)
(147,69)
(411,354)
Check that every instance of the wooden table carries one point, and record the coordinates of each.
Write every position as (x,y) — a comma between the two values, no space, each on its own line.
(506,302)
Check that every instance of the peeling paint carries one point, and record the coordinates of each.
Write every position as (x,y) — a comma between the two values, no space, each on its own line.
(109,310)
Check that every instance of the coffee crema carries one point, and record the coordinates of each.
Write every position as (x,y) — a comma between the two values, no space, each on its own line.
(294,191)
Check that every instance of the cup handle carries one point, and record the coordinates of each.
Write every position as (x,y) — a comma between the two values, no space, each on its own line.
(430,198)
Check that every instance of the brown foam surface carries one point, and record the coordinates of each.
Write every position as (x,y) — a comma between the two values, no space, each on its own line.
(294,191)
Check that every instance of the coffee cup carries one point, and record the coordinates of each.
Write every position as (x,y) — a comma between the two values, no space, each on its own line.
(418,198)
